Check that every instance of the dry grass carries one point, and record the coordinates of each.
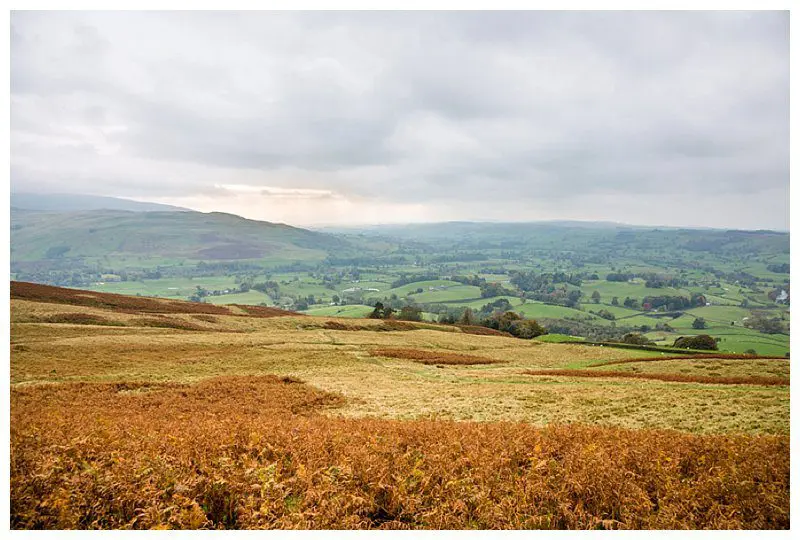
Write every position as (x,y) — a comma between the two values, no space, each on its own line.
(79,318)
(667,377)
(482,331)
(713,367)
(434,357)
(167,322)
(720,356)
(253,453)
(207,318)
(382,326)
(340,362)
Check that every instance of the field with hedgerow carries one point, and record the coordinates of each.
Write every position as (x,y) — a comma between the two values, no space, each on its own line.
(128,412)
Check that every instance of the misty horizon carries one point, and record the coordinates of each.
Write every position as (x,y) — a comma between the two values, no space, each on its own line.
(357,226)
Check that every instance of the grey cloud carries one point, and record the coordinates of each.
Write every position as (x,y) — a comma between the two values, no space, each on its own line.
(409,107)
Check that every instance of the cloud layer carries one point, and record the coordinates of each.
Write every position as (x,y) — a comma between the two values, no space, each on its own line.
(675,118)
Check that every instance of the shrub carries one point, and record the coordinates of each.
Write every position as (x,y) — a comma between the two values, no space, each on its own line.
(527,329)
(634,338)
(701,342)
(410,313)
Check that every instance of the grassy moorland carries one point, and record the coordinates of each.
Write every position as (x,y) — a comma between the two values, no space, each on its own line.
(131,412)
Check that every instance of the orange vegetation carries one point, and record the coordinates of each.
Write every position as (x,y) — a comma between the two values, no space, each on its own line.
(668,377)
(385,326)
(78,318)
(482,331)
(253,453)
(434,357)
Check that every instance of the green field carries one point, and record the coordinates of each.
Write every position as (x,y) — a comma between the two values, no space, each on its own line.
(634,289)
(251,297)
(354,311)
(181,288)
(536,310)
(475,305)
(433,291)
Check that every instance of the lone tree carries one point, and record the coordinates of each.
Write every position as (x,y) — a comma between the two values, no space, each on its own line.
(596,297)
(378,312)
(699,323)
(467,318)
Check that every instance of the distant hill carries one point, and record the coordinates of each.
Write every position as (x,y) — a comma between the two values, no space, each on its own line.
(457,229)
(121,238)
(69,202)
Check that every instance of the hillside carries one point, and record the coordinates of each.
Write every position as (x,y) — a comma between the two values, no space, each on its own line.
(149,238)
(187,415)
(70,202)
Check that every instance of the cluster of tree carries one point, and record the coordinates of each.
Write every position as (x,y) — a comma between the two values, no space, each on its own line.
(515,324)
(490,290)
(475,281)
(267,287)
(302,303)
(672,303)
(505,321)
(620,276)
(658,281)
(766,325)
(542,282)
(743,278)
(702,342)
(500,305)
(779,268)
(634,338)
(593,332)
(381,312)
(460,257)
(699,323)
(605,314)
(405,279)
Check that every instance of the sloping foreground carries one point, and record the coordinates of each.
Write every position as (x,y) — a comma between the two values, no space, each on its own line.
(254,452)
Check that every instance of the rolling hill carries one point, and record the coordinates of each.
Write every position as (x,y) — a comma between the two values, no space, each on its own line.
(127,237)
(70,202)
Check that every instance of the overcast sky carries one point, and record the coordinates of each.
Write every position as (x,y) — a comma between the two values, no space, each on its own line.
(653,118)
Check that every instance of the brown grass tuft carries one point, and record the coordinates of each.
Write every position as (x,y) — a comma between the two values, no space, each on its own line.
(434,357)
(383,326)
(482,331)
(206,318)
(254,453)
(267,312)
(667,377)
(167,322)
